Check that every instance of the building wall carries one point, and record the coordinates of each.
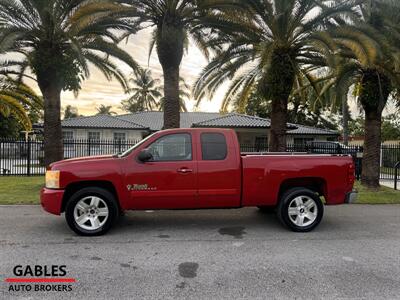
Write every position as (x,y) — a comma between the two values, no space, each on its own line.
(106,134)
(361,142)
(249,136)
(246,136)
(293,139)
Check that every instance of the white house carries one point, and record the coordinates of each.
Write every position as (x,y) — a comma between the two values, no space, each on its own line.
(251,130)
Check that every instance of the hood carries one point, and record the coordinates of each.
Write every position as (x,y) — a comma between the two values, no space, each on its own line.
(81,159)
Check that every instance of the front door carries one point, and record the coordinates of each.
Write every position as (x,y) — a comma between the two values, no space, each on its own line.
(169,179)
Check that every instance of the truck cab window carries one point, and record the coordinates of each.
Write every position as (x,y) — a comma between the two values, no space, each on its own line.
(213,146)
(172,147)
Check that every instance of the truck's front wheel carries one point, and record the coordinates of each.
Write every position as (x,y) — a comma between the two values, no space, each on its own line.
(300,209)
(91,211)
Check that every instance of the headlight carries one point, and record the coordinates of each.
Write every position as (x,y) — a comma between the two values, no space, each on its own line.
(53,179)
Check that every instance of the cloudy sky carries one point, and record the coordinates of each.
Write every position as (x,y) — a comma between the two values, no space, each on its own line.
(97,90)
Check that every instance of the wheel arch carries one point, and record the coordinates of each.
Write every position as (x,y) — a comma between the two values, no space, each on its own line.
(316,184)
(78,185)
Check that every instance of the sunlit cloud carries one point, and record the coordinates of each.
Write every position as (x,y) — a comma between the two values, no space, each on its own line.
(98,90)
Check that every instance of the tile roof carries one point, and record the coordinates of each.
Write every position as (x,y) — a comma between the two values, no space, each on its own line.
(234,120)
(302,129)
(153,120)
(100,121)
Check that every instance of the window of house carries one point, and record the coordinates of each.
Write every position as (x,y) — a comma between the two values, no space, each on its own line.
(261,143)
(94,135)
(67,135)
(119,136)
(119,141)
(94,143)
(172,147)
(69,145)
(213,146)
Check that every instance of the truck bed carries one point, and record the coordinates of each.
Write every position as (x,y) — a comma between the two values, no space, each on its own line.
(264,174)
(288,154)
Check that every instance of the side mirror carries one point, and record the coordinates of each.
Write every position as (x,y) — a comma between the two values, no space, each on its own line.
(145,155)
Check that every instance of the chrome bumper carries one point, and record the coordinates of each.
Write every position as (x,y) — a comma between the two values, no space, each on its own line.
(351,197)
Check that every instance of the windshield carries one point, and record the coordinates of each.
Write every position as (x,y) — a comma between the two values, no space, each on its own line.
(127,152)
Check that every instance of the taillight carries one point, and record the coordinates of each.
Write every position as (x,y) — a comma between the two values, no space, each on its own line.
(350,174)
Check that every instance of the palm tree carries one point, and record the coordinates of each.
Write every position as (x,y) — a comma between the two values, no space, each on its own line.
(146,92)
(105,110)
(174,21)
(267,48)
(184,95)
(18,99)
(331,98)
(57,40)
(369,59)
(305,107)
(71,112)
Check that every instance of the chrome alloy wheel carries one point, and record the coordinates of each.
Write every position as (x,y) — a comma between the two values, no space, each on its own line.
(302,211)
(90,213)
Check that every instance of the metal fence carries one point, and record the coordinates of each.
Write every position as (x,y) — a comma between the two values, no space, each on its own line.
(26,157)
(313,147)
(21,157)
(390,154)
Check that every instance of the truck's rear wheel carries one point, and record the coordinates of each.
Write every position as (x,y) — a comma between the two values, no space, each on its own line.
(300,209)
(91,211)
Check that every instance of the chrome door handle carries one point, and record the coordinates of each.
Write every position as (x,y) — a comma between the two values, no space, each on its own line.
(184,170)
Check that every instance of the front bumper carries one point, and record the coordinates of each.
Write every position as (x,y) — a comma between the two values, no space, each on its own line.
(51,200)
(351,197)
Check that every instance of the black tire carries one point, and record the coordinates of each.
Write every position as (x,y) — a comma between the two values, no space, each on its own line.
(267,209)
(109,200)
(286,200)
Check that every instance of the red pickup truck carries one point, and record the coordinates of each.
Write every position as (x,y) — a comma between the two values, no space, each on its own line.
(192,169)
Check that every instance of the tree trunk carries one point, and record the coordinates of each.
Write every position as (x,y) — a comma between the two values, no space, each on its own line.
(375,90)
(170,41)
(53,144)
(171,97)
(277,136)
(372,145)
(277,86)
(346,117)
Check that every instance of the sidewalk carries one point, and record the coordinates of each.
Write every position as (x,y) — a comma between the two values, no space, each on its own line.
(389,183)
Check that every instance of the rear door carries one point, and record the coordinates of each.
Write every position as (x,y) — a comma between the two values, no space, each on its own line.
(219,169)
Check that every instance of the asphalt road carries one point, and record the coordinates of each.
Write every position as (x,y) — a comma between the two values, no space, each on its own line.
(212,254)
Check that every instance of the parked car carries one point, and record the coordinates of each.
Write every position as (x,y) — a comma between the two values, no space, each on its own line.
(193,169)
(327,147)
